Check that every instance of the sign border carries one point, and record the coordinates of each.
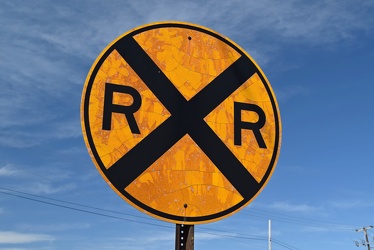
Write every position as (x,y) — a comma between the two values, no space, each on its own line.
(100,166)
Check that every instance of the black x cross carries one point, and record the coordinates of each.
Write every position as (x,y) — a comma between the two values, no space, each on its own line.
(186,118)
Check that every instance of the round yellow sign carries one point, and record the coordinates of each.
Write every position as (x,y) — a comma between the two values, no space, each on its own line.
(181,122)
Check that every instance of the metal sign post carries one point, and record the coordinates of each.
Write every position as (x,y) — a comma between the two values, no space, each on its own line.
(184,237)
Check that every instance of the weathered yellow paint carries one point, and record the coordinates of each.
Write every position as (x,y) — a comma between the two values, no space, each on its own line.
(189,64)
(184,174)
(221,120)
(113,144)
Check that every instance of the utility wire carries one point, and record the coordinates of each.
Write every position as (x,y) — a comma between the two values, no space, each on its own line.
(82,210)
(216,232)
(297,220)
(221,233)
(37,198)
(240,235)
(237,237)
(285,245)
(77,204)
(257,212)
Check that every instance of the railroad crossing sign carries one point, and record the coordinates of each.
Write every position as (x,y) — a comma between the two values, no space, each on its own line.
(181,122)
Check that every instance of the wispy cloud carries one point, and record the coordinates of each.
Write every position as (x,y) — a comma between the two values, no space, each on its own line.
(213,236)
(14,248)
(55,179)
(47,49)
(352,204)
(160,238)
(287,92)
(163,239)
(40,188)
(319,22)
(45,188)
(69,129)
(26,135)
(9,237)
(288,207)
(8,170)
(55,227)
(319,229)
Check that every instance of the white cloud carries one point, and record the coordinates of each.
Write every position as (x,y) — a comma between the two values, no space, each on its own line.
(9,237)
(14,248)
(287,92)
(69,129)
(51,173)
(318,229)
(8,170)
(317,22)
(44,188)
(213,236)
(152,238)
(55,227)
(18,140)
(346,204)
(30,189)
(24,136)
(287,207)
(352,204)
(48,49)
(56,178)
(162,239)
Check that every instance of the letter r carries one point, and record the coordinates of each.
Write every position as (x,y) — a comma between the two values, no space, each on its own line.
(128,111)
(255,127)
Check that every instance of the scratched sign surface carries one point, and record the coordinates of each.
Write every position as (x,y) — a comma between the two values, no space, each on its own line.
(180,122)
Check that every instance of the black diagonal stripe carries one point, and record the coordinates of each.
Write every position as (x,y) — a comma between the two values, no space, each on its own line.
(222,86)
(186,118)
(150,73)
(223,158)
(144,154)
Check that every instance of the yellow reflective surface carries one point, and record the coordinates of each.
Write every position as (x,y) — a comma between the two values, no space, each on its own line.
(183,175)
(112,144)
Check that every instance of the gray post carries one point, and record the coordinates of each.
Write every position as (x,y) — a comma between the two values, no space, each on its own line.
(184,237)
(364,229)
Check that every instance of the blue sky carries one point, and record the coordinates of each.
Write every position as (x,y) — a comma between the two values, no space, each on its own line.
(318,57)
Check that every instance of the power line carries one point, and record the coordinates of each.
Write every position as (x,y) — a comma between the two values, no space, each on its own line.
(222,233)
(300,221)
(239,237)
(77,204)
(257,212)
(82,210)
(38,198)
(228,234)
(285,245)
(216,232)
